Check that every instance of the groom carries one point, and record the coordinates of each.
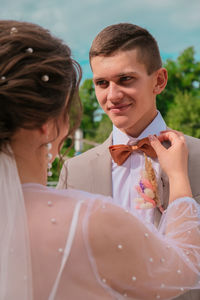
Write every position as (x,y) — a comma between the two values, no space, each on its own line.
(128,75)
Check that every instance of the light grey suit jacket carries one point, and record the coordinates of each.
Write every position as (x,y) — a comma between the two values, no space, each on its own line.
(91,172)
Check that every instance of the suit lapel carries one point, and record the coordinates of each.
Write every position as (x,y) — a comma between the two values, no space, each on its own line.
(165,197)
(101,167)
(165,192)
(165,183)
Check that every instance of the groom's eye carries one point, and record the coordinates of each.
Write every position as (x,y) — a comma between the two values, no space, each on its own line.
(125,79)
(101,83)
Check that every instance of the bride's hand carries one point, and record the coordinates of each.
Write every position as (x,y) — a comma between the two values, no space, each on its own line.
(174,159)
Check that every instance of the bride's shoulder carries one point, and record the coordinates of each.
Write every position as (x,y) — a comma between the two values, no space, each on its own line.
(40,195)
(37,194)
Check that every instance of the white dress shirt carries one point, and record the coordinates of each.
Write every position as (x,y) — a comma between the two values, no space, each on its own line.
(127,176)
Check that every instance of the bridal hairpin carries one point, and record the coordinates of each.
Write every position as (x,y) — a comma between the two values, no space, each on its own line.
(45,78)
(148,188)
(2,80)
(13,30)
(29,50)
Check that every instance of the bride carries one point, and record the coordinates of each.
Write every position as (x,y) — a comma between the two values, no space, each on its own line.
(68,244)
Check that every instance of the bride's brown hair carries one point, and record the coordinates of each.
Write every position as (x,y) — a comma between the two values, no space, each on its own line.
(37,75)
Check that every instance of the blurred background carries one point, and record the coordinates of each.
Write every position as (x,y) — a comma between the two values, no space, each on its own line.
(174,23)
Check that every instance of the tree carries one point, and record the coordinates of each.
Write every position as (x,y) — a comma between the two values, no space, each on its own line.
(90,106)
(104,129)
(184,114)
(183,75)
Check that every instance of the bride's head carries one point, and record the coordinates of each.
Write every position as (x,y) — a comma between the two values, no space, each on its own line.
(38,80)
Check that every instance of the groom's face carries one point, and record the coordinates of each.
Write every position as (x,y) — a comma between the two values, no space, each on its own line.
(125,91)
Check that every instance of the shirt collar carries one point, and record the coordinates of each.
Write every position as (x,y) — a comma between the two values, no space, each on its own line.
(158,124)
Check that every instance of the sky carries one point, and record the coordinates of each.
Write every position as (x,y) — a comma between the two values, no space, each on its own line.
(174,23)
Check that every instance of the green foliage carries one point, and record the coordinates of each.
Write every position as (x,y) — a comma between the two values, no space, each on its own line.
(104,129)
(184,114)
(90,106)
(183,75)
(66,151)
(95,124)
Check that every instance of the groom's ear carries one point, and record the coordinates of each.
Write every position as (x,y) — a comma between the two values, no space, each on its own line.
(160,80)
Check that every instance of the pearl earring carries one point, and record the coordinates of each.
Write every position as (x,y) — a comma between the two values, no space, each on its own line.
(49,158)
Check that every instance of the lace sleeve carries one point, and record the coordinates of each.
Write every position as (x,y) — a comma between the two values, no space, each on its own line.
(134,259)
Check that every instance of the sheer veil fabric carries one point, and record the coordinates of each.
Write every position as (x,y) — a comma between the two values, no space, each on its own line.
(15,266)
(139,260)
(84,247)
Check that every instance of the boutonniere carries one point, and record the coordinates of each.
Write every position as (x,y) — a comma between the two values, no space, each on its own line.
(148,188)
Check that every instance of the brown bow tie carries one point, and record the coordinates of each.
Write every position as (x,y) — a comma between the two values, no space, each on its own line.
(120,153)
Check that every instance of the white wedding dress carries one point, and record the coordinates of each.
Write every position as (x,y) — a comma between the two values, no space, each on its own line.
(81,246)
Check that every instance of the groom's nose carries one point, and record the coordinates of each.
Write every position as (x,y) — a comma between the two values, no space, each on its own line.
(114,92)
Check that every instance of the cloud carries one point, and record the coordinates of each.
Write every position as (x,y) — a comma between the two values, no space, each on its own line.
(188,18)
(174,23)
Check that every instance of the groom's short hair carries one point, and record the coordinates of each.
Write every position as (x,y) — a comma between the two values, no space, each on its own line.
(124,37)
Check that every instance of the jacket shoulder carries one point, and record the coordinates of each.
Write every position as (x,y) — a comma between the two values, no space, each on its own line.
(90,154)
(80,171)
(193,145)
